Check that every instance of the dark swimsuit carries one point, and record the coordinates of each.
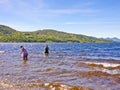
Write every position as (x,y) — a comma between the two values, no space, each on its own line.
(46,50)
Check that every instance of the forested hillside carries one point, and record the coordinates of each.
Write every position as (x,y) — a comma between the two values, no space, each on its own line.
(8,34)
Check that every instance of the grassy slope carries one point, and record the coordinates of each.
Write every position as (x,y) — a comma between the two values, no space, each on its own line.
(8,34)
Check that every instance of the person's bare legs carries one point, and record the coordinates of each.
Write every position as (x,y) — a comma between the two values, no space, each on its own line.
(25,57)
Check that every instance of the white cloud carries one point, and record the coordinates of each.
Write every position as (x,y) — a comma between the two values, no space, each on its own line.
(53,13)
(101,22)
(36,7)
(70,11)
(4,1)
(21,5)
(20,26)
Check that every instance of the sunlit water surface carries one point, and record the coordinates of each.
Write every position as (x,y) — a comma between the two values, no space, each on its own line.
(69,66)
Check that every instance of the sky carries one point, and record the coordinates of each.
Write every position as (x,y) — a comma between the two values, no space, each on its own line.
(97,18)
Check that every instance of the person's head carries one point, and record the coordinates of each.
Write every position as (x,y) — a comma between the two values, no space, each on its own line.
(46,45)
(21,46)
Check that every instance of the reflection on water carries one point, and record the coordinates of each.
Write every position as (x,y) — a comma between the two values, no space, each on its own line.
(66,68)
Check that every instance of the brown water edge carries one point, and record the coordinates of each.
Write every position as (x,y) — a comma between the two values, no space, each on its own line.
(94,65)
(45,86)
(42,84)
(58,75)
(100,75)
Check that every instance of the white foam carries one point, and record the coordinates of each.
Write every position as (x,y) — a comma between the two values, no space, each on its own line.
(6,84)
(46,84)
(111,71)
(104,64)
(2,52)
(62,87)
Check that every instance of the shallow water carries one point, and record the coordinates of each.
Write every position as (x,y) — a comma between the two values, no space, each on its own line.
(69,66)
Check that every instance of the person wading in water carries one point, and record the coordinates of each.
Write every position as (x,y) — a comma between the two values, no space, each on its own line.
(24,52)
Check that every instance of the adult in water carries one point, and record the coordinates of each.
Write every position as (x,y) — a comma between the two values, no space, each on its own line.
(24,52)
(46,50)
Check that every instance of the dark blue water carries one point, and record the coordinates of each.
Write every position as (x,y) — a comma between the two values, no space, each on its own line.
(87,50)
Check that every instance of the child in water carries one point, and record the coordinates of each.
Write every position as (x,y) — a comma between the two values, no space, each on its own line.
(24,52)
(46,50)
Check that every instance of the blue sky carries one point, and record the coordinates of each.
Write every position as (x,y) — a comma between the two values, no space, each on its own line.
(98,18)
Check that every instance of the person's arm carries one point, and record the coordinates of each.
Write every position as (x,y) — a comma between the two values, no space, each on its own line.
(22,50)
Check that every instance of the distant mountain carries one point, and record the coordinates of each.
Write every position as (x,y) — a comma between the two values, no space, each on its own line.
(63,36)
(113,39)
(6,30)
(8,34)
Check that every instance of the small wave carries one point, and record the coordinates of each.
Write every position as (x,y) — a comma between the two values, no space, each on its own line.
(104,64)
(54,86)
(4,84)
(116,71)
(2,52)
(46,86)
(110,68)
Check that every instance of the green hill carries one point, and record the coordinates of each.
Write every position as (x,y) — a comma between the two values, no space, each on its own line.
(57,36)
(6,30)
(8,34)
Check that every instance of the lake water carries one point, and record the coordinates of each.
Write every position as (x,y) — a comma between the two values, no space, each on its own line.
(69,66)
